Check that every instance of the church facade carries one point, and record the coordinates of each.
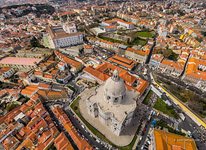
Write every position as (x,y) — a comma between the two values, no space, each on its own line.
(113,104)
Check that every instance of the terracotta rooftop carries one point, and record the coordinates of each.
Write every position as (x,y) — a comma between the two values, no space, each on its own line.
(111,27)
(139,52)
(38,131)
(169,141)
(50,95)
(81,143)
(157,57)
(192,68)
(105,70)
(10,143)
(68,60)
(62,143)
(173,64)
(88,46)
(125,62)
(112,21)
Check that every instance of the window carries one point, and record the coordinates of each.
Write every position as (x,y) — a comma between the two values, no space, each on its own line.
(116,99)
(108,97)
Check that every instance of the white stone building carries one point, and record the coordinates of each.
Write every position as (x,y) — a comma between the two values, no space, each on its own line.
(139,56)
(113,104)
(6,73)
(64,36)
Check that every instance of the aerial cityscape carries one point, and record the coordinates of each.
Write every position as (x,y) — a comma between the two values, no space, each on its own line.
(102,75)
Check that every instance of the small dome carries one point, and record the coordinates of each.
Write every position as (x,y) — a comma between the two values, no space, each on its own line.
(114,88)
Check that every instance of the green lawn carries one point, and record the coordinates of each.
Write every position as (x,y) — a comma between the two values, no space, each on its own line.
(75,104)
(173,89)
(173,56)
(145,34)
(130,146)
(112,40)
(169,54)
(138,41)
(71,87)
(11,106)
(139,38)
(163,107)
(75,107)
(163,124)
(194,101)
(147,98)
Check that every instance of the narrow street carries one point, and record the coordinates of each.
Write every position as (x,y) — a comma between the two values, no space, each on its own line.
(82,130)
(151,51)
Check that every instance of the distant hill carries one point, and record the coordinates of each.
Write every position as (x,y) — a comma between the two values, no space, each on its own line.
(38,9)
(4,3)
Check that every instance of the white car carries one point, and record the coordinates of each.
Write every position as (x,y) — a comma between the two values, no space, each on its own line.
(97,141)
(149,142)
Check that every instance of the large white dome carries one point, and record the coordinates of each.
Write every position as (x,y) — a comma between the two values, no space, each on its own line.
(114,88)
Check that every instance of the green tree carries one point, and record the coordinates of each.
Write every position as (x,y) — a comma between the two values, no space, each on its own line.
(35,43)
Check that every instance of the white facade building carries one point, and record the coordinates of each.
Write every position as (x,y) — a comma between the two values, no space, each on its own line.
(69,28)
(137,55)
(127,25)
(6,73)
(113,104)
(65,36)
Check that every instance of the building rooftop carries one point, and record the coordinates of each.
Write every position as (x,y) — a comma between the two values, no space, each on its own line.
(157,57)
(120,111)
(87,46)
(36,132)
(57,32)
(20,61)
(170,63)
(68,60)
(105,70)
(62,143)
(115,20)
(139,52)
(125,62)
(193,68)
(47,92)
(169,141)
(64,120)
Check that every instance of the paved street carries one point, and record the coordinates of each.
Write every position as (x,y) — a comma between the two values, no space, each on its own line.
(57,123)
(151,50)
(144,137)
(198,134)
(82,131)
(183,107)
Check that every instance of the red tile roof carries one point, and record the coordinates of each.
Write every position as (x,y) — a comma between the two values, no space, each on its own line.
(68,60)
(104,71)
(139,52)
(62,143)
(81,143)
(125,62)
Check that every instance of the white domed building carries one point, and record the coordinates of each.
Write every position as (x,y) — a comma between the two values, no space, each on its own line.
(113,104)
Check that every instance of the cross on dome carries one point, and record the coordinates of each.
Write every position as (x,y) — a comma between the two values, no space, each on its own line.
(115,76)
